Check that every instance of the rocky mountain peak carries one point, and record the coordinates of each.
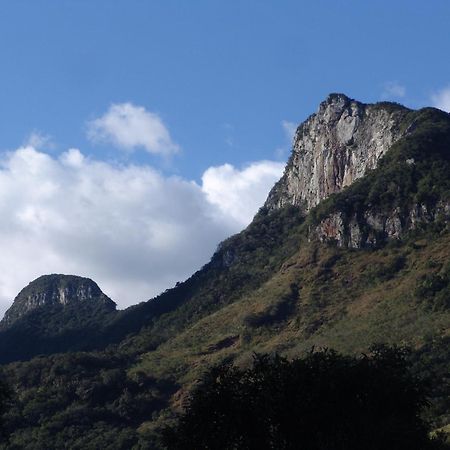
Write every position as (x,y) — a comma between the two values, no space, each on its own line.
(334,147)
(56,289)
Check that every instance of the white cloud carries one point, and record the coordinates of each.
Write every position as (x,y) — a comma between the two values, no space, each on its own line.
(393,89)
(131,229)
(441,99)
(130,127)
(239,193)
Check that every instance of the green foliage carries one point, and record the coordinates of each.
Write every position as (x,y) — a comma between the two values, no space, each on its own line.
(386,270)
(86,399)
(323,401)
(434,289)
(276,312)
(55,328)
(432,362)
(5,404)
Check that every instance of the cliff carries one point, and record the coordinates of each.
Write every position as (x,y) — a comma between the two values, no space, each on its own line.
(335,147)
(364,171)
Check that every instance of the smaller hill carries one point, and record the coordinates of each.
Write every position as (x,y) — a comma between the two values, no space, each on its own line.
(53,290)
(54,313)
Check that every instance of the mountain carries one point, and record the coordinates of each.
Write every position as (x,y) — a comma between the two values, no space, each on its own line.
(336,146)
(54,313)
(49,291)
(351,248)
(344,142)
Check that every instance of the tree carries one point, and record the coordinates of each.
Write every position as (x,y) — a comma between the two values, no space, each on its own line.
(5,398)
(325,401)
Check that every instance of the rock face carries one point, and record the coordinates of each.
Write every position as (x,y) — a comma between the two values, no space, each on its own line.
(335,147)
(345,140)
(53,290)
(375,226)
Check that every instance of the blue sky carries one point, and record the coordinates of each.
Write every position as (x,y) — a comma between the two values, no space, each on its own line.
(223,75)
(215,85)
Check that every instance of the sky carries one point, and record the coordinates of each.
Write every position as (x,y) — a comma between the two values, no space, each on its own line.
(136,135)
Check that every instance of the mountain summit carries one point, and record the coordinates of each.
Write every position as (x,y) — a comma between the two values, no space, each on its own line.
(367,173)
(54,313)
(56,290)
(334,147)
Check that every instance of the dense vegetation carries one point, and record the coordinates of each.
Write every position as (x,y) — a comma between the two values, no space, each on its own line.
(84,399)
(324,401)
(56,328)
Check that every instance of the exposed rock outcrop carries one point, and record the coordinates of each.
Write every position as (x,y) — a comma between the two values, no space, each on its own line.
(342,143)
(374,227)
(55,289)
(335,147)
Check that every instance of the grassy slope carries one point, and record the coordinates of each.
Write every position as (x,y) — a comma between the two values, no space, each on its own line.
(347,300)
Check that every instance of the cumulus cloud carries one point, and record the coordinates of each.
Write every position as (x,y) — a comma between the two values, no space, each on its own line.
(237,193)
(441,99)
(131,229)
(393,89)
(131,127)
